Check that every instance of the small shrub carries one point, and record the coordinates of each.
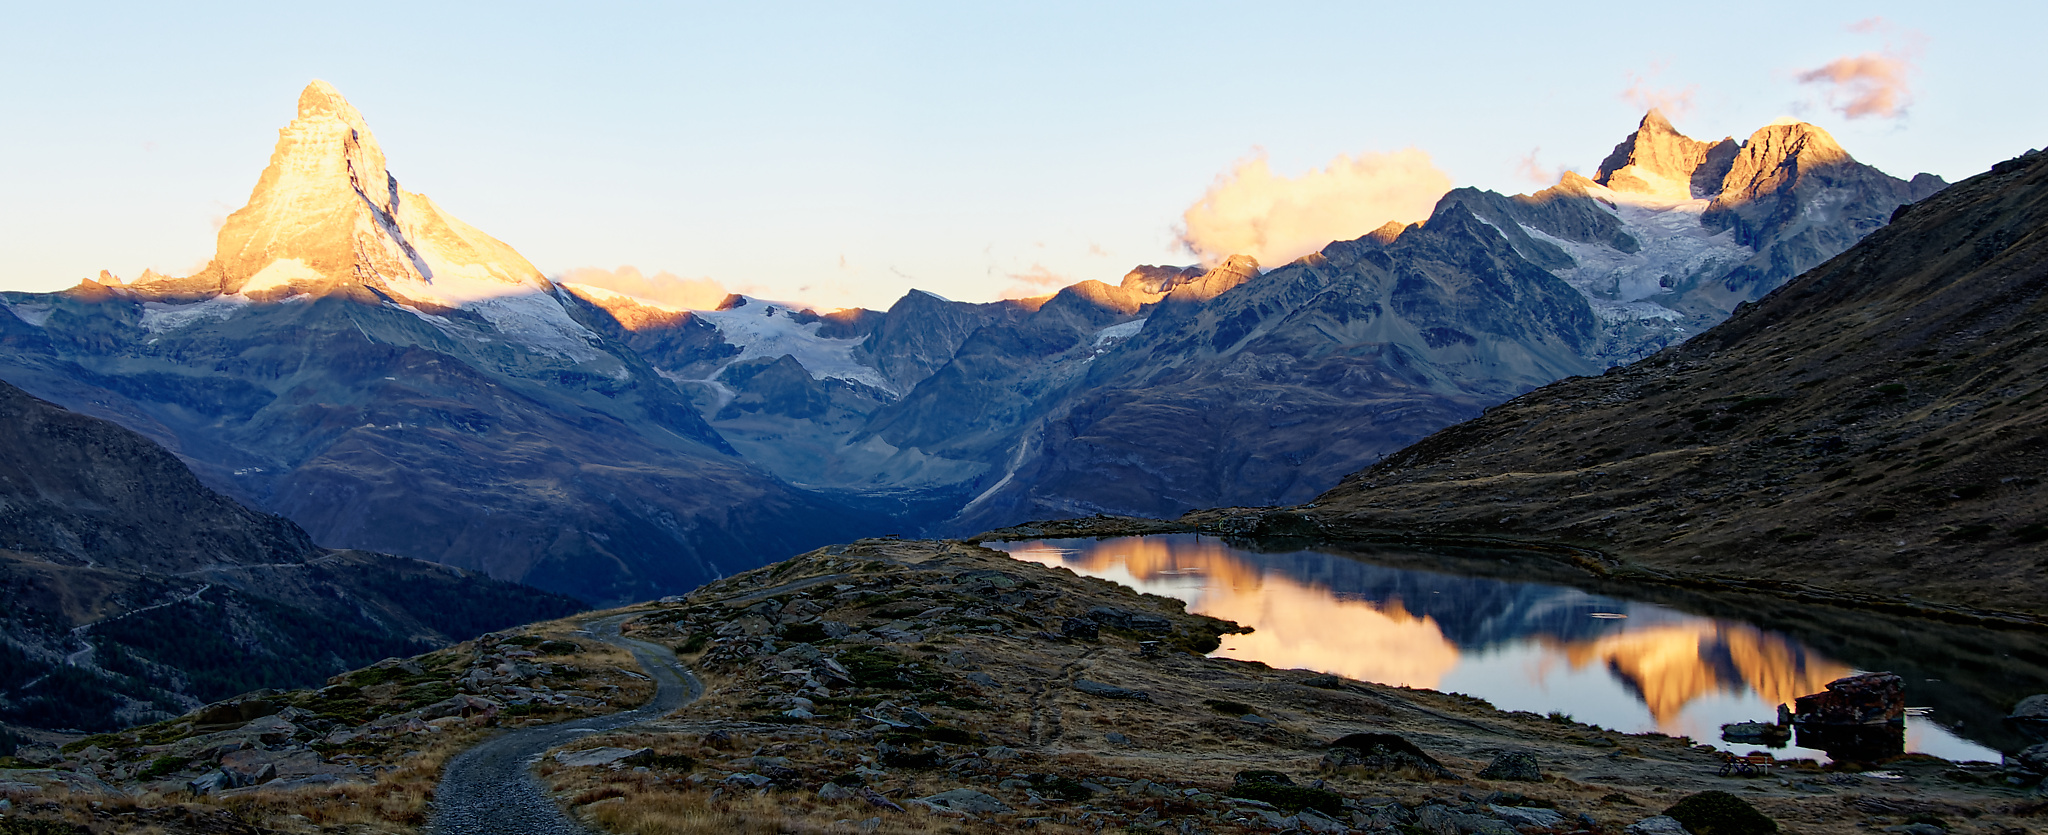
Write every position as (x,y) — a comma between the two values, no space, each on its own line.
(667,762)
(804,633)
(694,645)
(1880,515)
(1891,389)
(32,826)
(942,733)
(161,766)
(1229,708)
(1720,813)
(915,760)
(557,647)
(2035,532)
(523,640)
(1292,799)
(1063,788)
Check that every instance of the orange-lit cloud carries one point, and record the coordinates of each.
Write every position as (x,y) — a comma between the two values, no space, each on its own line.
(1274,219)
(1529,169)
(1874,83)
(1036,280)
(666,288)
(1646,95)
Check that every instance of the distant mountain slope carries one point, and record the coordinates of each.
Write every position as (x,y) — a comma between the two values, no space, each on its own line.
(1878,425)
(129,591)
(1185,388)
(393,379)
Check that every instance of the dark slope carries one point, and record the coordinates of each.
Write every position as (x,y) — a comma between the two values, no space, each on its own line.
(128,590)
(375,429)
(1876,426)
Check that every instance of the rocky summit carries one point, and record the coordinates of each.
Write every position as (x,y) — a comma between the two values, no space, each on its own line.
(393,379)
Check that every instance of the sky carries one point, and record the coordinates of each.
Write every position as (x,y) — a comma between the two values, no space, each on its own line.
(841,154)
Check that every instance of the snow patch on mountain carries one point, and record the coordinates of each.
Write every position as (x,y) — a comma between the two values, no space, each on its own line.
(34,313)
(765,330)
(160,317)
(279,275)
(1676,250)
(1121,330)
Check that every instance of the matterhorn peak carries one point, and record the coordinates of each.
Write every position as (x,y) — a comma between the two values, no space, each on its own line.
(327,216)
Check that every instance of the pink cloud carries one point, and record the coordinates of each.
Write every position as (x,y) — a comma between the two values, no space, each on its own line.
(1037,280)
(1529,169)
(1873,83)
(1675,102)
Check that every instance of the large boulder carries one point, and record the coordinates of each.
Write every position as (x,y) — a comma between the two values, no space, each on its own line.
(967,800)
(1513,765)
(2031,709)
(1866,699)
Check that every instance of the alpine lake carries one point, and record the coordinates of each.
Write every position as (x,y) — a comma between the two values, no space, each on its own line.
(1537,635)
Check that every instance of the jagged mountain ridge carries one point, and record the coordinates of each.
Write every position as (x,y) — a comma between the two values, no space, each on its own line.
(393,379)
(1872,427)
(1272,389)
(131,591)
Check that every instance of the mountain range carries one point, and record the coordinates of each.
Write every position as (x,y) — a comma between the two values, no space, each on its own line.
(392,379)
(1873,428)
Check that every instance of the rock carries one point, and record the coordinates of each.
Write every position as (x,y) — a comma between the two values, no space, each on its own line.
(1866,699)
(999,753)
(1115,738)
(1757,731)
(39,754)
(591,757)
(834,792)
(234,714)
(1917,829)
(1109,691)
(1381,752)
(1720,813)
(1314,821)
(799,713)
(2031,709)
(967,800)
(1081,628)
(1255,719)
(875,799)
(983,679)
(915,718)
(1658,825)
(461,706)
(1323,682)
(1520,816)
(1122,619)
(745,780)
(1260,776)
(2033,758)
(1513,765)
(1278,821)
(212,782)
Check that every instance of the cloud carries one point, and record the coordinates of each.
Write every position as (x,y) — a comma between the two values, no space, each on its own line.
(1676,103)
(1251,211)
(1036,280)
(1873,83)
(667,288)
(1529,169)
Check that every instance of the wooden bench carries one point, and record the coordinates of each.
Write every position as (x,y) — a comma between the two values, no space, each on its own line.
(1754,765)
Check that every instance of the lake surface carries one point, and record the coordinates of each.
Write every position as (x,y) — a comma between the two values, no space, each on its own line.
(1632,665)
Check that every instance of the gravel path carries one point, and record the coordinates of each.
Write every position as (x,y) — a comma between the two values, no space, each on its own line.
(491,790)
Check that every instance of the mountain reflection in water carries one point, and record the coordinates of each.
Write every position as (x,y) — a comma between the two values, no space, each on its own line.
(1622,664)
